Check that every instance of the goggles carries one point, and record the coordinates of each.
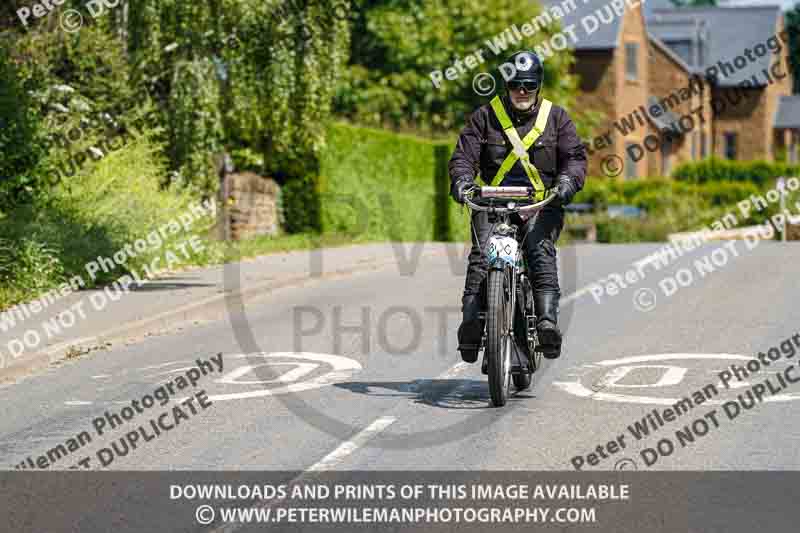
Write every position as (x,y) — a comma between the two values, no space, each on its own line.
(529,85)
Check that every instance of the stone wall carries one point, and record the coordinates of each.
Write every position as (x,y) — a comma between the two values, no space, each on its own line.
(597,85)
(746,114)
(250,206)
(685,97)
(631,94)
(793,230)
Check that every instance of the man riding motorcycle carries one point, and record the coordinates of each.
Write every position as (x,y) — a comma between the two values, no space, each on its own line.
(516,140)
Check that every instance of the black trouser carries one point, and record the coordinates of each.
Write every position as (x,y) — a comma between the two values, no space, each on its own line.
(538,245)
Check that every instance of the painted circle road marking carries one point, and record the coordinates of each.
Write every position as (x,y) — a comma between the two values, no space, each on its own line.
(672,375)
(300,364)
(299,370)
(342,369)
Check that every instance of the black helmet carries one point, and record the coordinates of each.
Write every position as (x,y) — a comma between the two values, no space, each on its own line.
(526,67)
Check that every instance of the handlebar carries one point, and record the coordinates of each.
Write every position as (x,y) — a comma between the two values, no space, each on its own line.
(506,192)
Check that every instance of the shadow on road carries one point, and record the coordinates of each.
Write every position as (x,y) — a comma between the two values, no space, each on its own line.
(442,393)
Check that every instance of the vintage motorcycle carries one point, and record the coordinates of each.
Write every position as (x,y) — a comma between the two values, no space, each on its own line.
(509,339)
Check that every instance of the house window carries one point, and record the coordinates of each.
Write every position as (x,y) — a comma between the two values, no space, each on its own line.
(630,164)
(730,145)
(631,61)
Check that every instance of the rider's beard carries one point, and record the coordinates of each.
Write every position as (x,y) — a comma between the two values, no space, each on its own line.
(523,104)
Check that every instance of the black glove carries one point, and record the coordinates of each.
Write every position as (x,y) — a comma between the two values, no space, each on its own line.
(566,189)
(460,187)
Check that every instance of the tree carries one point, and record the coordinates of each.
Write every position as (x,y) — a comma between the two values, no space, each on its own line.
(241,73)
(20,146)
(397,45)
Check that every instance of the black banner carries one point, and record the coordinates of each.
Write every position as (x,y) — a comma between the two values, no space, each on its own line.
(384,501)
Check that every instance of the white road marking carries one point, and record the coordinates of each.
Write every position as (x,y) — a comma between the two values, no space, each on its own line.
(672,375)
(348,447)
(576,388)
(342,369)
(299,370)
(77,402)
(454,370)
(332,459)
(162,365)
(577,294)
(670,356)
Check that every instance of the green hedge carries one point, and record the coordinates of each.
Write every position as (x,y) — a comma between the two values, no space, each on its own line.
(713,169)
(670,205)
(377,185)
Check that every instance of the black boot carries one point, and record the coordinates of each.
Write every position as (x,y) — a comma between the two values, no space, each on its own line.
(547,332)
(471,329)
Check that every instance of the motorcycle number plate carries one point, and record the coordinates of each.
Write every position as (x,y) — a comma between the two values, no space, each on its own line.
(502,249)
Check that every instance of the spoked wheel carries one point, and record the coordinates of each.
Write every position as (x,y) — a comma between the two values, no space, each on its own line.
(498,340)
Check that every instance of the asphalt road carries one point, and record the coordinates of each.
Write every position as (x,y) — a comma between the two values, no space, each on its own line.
(399,397)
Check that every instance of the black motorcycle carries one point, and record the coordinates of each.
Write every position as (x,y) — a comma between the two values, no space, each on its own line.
(509,340)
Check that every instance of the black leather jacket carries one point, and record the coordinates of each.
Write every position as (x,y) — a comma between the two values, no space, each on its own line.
(482,147)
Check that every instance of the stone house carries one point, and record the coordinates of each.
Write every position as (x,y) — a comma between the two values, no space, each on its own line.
(681,84)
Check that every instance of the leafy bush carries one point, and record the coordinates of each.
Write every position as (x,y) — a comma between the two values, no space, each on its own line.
(20,137)
(247,160)
(195,124)
(53,84)
(622,230)
(300,205)
(671,206)
(97,213)
(714,169)
(29,266)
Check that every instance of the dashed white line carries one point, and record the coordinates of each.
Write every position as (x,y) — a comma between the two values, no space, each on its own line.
(327,462)
(348,447)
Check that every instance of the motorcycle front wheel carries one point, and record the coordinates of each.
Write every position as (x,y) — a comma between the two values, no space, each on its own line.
(498,340)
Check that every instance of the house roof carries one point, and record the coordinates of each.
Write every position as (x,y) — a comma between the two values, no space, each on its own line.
(788,113)
(650,5)
(715,29)
(723,32)
(603,37)
(668,52)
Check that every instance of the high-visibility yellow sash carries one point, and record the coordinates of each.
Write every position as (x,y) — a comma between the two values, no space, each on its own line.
(521,146)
